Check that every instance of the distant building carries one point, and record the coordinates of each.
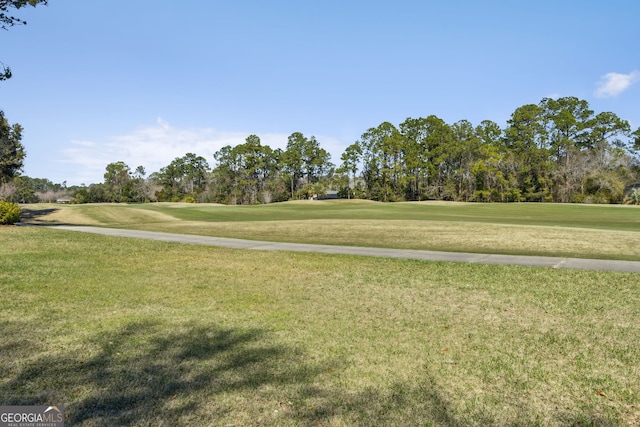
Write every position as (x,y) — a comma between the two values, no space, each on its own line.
(330,195)
(64,200)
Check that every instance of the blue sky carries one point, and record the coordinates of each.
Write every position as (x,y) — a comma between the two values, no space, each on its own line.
(147,81)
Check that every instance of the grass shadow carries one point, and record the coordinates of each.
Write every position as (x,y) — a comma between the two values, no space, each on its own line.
(428,404)
(37,216)
(145,375)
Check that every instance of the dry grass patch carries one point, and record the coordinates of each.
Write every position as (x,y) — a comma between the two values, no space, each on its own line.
(426,235)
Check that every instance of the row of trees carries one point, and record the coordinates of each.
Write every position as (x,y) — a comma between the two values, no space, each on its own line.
(557,150)
(248,173)
(23,189)
(253,173)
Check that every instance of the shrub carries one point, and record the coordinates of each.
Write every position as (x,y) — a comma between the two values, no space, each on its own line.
(633,198)
(9,213)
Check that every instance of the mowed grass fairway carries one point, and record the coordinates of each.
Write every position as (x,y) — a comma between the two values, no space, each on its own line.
(134,332)
(580,231)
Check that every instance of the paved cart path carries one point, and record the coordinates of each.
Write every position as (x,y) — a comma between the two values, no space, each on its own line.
(530,261)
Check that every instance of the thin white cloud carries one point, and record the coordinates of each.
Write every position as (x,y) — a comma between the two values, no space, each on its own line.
(613,84)
(155,146)
(83,143)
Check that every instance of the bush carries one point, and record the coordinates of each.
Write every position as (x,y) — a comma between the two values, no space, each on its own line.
(633,198)
(9,213)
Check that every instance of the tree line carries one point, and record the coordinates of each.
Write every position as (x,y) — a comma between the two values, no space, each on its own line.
(555,151)
(249,173)
(558,150)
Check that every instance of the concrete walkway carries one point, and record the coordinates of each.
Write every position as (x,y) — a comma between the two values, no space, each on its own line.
(529,261)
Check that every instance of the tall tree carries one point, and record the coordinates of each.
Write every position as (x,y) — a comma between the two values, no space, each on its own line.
(248,173)
(292,161)
(253,159)
(382,160)
(140,187)
(184,176)
(527,139)
(426,143)
(568,121)
(635,136)
(350,161)
(195,169)
(462,153)
(117,181)
(489,180)
(226,175)
(12,152)
(304,161)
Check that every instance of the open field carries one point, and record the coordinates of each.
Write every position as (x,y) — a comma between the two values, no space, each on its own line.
(132,332)
(578,231)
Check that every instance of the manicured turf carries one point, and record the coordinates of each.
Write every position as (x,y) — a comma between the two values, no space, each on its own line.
(131,332)
(622,218)
(602,217)
(610,232)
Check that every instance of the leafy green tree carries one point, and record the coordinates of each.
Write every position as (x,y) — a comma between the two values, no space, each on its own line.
(609,131)
(311,191)
(184,176)
(350,161)
(232,178)
(226,175)
(489,180)
(140,187)
(94,193)
(248,173)
(635,145)
(463,152)
(195,169)
(527,139)
(292,162)
(382,161)
(274,185)
(426,141)
(117,181)
(304,161)
(24,191)
(568,122)
(12,152)
(254,168)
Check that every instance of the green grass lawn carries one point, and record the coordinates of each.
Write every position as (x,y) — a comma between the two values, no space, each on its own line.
(608,232)
(133,333)
(608,217)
